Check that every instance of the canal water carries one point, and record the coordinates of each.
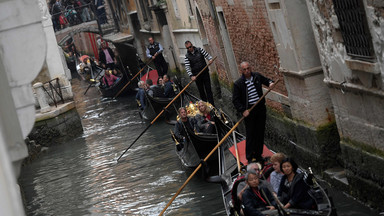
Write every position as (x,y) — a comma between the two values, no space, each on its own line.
(80,176)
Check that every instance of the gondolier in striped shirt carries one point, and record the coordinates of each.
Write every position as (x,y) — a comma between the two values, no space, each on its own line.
(247,91)
(194,63)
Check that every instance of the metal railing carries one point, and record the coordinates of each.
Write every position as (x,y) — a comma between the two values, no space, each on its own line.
(72,16)
(54,89)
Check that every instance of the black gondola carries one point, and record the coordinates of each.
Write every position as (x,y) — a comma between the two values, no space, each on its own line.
(116,87)
(229,178)
(156,104)
(198,145)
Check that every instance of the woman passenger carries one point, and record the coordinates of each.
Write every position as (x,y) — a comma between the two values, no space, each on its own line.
(293,191)
(257,199)
(205,121)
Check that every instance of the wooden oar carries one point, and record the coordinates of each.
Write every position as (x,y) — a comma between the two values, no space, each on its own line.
(214,149)
(165,108)
(129,82)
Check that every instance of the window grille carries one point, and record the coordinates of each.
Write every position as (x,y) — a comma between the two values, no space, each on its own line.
(354,28)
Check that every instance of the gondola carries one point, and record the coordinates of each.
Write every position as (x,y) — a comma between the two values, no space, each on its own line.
(198,145)
(156,104)
(87,69)
(229,176)
(116,87)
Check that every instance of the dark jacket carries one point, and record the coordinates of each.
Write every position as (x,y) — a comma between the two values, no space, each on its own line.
(240,91)
(196,60)
(180,132)
(153,49)
(168,90)
(297,194)
(202,122)
(155,91)
(253,205)
(102,58)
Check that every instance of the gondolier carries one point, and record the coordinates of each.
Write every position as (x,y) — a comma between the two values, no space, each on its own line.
(155,51)
(247,91)
(194,62)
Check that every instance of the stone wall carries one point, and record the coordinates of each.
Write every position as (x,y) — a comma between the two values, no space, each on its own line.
(61,122)
(356,88)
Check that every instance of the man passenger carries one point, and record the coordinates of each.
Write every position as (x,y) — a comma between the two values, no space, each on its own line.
(184,123)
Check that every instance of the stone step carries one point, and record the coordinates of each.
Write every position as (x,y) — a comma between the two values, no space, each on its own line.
(337,177)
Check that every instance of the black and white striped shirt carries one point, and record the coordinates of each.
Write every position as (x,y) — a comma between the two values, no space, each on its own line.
(188,64)
(253,97)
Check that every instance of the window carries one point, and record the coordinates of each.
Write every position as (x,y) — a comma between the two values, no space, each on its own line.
(354,28)
(144,5)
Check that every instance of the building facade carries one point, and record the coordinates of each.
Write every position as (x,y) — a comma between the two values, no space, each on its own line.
(350,39)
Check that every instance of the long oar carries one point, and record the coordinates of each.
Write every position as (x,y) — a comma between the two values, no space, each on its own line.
(165,108)
(129,82)
(214,149)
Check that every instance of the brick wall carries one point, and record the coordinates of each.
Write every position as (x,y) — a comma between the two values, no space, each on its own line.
(251,38)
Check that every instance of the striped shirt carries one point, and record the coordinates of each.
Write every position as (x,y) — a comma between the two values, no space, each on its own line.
(253,97)
(188,64)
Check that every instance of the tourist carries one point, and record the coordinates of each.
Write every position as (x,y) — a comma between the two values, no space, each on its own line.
(277,174)
(185,123)
(247,90)
(194,63)
(140,95)
(205,119)
(160,82)
(293,191)
(257,199)
(155,52)
(100,11)
(109,79)
(153,90)
(168,87)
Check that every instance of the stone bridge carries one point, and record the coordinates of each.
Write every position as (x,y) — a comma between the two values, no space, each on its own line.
(92,27)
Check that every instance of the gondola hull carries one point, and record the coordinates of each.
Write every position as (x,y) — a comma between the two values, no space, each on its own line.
(116,88)
(229,174)
(199,145)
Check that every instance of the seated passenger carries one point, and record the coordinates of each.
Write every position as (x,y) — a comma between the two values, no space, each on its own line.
(204,120)
(160,82)
(182,125)
(168,87)
(293,191)
(257,199)
(276,175)
(153,90)
(140,95)
(254,167)
(109,79)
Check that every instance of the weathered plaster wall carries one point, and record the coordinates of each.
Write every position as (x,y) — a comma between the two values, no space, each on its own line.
(358,92)
(309,100)
(356,89)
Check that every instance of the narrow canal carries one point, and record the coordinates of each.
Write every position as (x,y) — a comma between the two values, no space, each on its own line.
(81,176)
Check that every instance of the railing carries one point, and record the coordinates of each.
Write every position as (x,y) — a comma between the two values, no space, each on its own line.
(54,88)
(72,16)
